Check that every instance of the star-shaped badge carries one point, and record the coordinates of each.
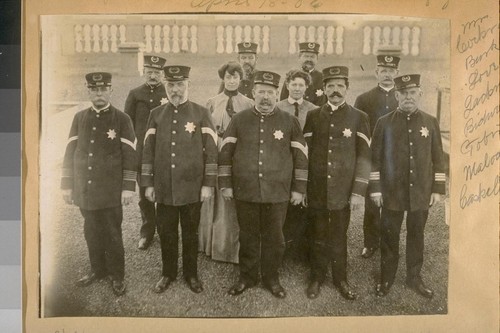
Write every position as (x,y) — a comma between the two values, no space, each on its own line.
(190,127)
(424,131)
(347,132)
(111,134)
(319,92)
(164,100)
(278,134)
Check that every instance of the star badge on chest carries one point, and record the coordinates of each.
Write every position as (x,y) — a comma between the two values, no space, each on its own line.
(278,134)
(347,132)
(164,100)
(111,134)
(319,92)
(190,127)
(424,131)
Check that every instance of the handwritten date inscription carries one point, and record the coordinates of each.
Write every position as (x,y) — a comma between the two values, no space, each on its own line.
(208,5)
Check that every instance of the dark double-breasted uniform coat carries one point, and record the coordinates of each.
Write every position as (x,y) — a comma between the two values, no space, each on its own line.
(263,158)
(139,103)
(339,166)
(314,93)
(407,166)
(376,102)
(179,157)
(99,163)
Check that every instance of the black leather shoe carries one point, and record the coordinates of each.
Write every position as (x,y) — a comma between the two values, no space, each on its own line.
(240,287)
(345,290)
(88,280)
(118,287)
(163,284)
(368,252)
(194,284)
(420,288)
(276,289)
(382,289)
(144,243)
(313,289)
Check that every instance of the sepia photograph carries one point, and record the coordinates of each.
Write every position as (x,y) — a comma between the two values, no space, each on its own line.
(244,165)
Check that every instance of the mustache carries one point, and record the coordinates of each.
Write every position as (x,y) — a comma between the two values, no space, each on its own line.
(335,94)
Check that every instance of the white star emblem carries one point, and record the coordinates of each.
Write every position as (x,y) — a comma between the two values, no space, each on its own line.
(424,131)
(347,132)
(164,100)
(190,127)
(319,92)
(278,134)
(111,134)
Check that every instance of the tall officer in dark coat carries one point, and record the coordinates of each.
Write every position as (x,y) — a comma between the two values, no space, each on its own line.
(99,174)
(407,175)
(338,136)
(179,170)
(308,58)
(247,57)
(377,102)
(140,101)
(263,159)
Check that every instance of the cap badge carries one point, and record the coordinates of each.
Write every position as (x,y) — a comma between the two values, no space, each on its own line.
(97,77)
(174,70)
(310,45)
(155,59)
(334,71)
(405,78)
(388,59)
(246,44)
(268,76)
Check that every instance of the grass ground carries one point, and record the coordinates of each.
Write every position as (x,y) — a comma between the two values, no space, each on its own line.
(143,269)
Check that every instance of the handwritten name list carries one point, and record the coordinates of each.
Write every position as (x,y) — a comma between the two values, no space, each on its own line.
(478,45)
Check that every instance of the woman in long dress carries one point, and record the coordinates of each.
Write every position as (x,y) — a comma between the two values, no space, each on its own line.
(219,230)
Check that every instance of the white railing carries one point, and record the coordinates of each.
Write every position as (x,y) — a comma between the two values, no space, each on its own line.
(330,38)
(99,38)
(228,37)
(170,38)
(405,38)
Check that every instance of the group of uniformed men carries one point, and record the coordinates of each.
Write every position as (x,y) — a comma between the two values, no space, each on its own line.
(310,151)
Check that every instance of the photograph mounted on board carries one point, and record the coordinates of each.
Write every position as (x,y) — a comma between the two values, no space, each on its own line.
(209,165)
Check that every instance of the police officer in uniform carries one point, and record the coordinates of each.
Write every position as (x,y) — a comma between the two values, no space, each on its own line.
(338,136)
(99,175)
(263,162)
(140,101)
(308,58)
(247,57)
(179,171)
(377,102)
(407,175)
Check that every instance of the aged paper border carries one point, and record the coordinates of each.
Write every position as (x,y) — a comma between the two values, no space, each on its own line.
(474,237)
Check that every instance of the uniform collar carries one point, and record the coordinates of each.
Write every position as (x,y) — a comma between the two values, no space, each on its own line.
(411,114)
(385,89)
(335,108)
(104,109)
(292,101)
(153,87)
(261,114)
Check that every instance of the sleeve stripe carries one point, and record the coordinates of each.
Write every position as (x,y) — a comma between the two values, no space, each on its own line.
(308,134)
(129,175)
(375,194)
(73,138)
(130,143)
(151,131)
(301,147)
(211,132)
(364,137)
(229,139)
(375,175)
(225,170)
(361,180)
(211,169)
(147,169)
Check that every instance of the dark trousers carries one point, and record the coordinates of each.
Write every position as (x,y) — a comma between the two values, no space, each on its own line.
(329,236)
(295,232)
(148,215)
(167,223)
(261,239)
(371,224)
(103,232)
(389,244)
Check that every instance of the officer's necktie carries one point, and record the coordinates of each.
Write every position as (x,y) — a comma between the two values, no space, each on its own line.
(296,105)
(229,106)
